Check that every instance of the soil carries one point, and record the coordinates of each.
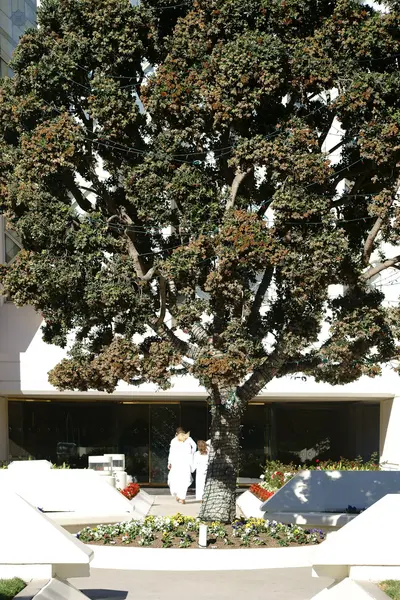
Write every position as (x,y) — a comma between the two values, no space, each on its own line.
(213,542)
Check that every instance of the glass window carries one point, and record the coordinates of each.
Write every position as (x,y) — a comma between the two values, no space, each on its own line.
(194,418)
(254,440)
(12,247)
(164,419)
(134,441)
(306,431)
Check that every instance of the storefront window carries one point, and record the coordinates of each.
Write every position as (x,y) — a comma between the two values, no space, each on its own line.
(299,432)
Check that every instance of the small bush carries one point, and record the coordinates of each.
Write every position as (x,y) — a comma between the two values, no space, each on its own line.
(10,588)
(391,588)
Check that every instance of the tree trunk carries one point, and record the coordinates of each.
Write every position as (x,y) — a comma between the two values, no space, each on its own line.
(219,498)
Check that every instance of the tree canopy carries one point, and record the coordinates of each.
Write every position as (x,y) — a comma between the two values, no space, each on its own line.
(210,203)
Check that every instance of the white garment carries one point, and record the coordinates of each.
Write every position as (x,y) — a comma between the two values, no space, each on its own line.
(180,475)
(200,464)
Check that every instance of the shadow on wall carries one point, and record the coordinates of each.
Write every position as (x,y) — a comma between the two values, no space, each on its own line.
(333,491)
(18,327)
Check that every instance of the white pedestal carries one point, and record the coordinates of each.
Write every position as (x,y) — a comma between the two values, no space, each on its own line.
(120,479)
(389,434)
(4,455)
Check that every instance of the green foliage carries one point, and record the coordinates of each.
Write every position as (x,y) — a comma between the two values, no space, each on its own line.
(391,587)
(276,474)
(10,588)
(231,155)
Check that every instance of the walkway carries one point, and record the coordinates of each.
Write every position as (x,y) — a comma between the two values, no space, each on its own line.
(272,584)
(165,505)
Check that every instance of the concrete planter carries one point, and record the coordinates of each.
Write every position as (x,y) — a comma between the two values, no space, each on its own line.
(320,498)
(73,521)
(250,505)
(332,491)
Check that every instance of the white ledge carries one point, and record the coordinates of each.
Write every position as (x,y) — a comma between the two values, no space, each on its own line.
(180,559)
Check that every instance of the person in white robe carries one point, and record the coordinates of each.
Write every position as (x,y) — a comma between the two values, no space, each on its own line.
(190,440)
(200,464)
(180,463)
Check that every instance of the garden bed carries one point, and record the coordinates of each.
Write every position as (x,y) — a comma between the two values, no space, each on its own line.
(182,532)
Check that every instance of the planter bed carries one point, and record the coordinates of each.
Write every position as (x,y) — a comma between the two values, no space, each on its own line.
(182,532)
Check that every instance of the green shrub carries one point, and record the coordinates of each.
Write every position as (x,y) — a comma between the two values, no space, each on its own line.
(10,588)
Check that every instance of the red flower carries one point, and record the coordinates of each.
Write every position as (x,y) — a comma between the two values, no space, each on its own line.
(131,490)
(317,460)
(260,492)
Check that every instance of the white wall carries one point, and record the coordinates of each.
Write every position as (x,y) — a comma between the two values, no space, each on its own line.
(25,361)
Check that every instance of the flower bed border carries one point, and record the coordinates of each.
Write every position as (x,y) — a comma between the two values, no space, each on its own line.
(176,559)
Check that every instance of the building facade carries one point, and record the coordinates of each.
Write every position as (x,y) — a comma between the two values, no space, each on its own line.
(293,419)
(15,17)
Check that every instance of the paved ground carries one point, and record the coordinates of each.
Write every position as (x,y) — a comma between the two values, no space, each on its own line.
(272,584)
(165,505)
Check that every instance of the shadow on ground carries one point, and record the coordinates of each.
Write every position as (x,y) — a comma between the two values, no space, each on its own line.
(101,594)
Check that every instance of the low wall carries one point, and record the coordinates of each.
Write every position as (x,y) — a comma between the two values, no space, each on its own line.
(251,506)
(178,559)
(79,491)
(33,547)
(75,521)
(366,548)
(332,491)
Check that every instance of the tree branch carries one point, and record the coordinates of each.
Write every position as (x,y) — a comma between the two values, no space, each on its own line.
(163,301)
(261,376)
(369,243)
(354,190)
(80,199)
(368,246)
(179,345)
(336,147)
(199,333)
(240,175)
(391,262)
(262,288)
(134,254)
(326,131)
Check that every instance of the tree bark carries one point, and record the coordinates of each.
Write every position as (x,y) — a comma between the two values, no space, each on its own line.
(219,498)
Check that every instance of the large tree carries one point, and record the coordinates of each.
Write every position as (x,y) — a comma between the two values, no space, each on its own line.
(199,206)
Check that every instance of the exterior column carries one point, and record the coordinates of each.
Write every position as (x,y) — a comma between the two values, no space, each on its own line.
(4,455)
(389,434)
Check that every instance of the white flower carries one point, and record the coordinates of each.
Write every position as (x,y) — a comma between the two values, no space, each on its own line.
(262,476)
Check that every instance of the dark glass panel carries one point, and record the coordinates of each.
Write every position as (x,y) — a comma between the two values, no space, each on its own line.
(194,418)
(254,440)
(164,419)
(313,430)
(133,422)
